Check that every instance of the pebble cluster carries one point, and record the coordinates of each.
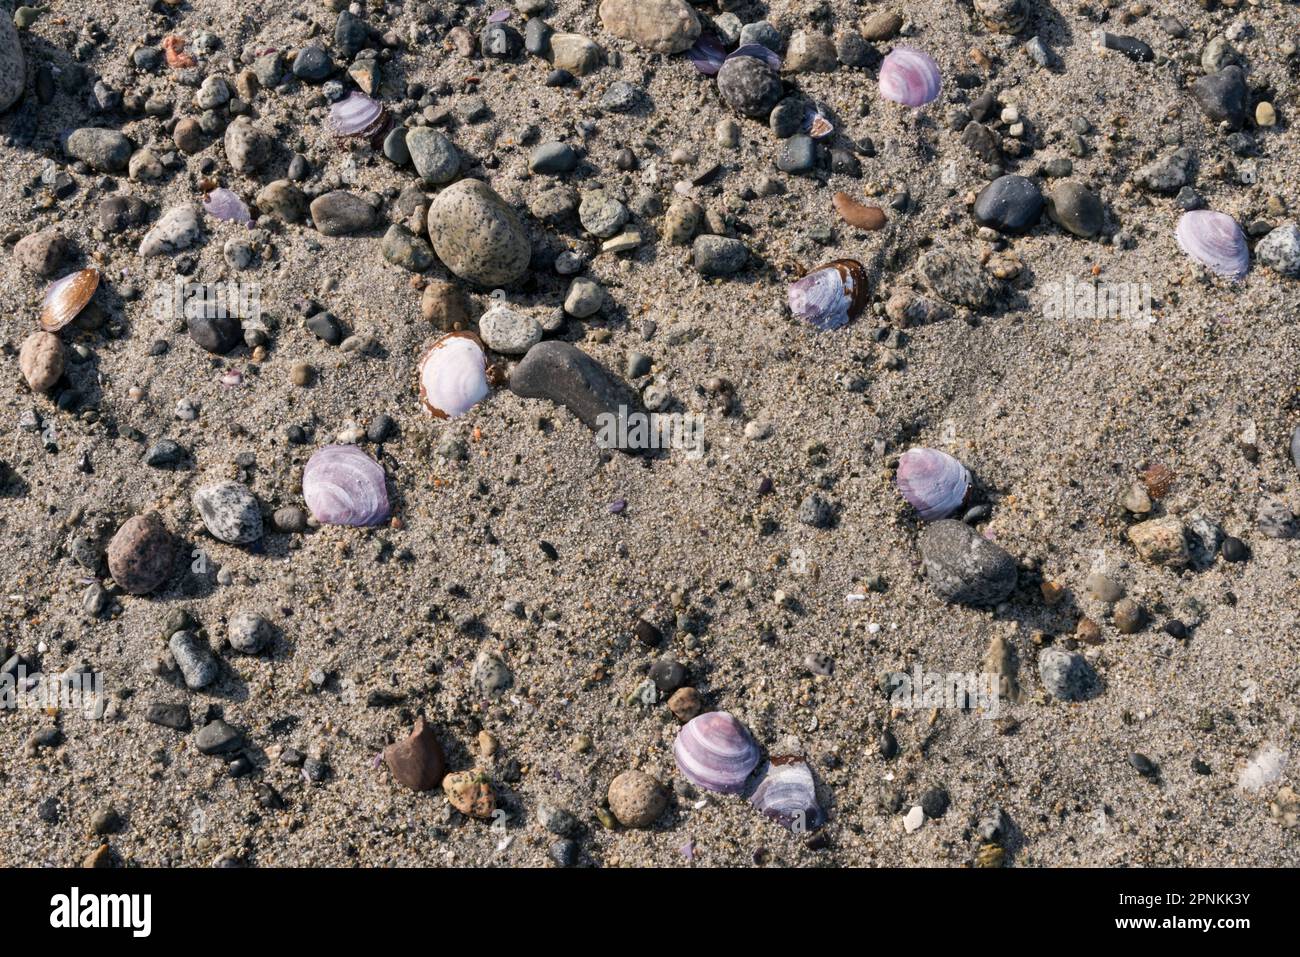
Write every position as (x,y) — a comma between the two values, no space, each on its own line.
(200,150)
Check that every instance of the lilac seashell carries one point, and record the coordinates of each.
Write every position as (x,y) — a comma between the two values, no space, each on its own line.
(715,752)
(355,115)
(933,482)
(707,55)
(342,485)
(1215,241)
(226,205)
(830,295)
(787,793)
(909,76)
(758,52)
(500,16)
(453,375)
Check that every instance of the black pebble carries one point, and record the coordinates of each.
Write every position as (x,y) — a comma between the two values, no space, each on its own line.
(887,744)
(647,633)
(1142,764)
(1235,550)
(934,802)
(1176,629)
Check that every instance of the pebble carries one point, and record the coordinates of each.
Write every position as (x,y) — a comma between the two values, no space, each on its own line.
(1168,174)
(248,147)
(718,255)
(40,359)
(1128,616)
(660,26)
(1280,250)
(312,64)
(283,200)
(621,97)
(249,633)
(509,332)
(882,25)
(1161,541)
(434,156)
(636,799)
(956,277)
(601,214)
(584,299)
(1009,204)
(477,235)
(141,553)
(856,214)
(106,151)
(176,230)
(1222,96)
(749,86)
(197,664)
(13,68)
(418,761)
(217,737)
(230,512)
(340,213)
(963,566)
(567,376)
(810,52)
(1075,209)
(798,154)
(217,334)
(470,792)
(1066,674)
(553,158)
(404,249)
(41,252)
(446,306)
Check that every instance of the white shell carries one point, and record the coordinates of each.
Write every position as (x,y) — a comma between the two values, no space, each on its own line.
(453,375)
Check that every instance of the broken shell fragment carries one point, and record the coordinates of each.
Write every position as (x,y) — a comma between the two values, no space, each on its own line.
(453,375)
(358,115)
(830,295)
(66,298)
(226,205)
(342,485)
(933,482)
(787,793)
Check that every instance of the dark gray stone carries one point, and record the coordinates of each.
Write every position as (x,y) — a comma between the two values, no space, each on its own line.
(566,375)
(963,566)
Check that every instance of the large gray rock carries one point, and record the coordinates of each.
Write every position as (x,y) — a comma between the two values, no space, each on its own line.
(663,26)
(106,151)
(566,375)
(230,512)
(1280,250)
(13,68)
(434,156)
(478,235)
(965,567)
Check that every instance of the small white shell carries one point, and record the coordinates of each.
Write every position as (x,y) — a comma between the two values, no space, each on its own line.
(453,375)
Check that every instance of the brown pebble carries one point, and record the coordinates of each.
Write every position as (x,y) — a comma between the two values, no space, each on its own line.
(446,306)
(685,704)
(141,553)
(637,799)
(417,762)
(857,215)
(41,360)
(470,792)
(1088,631)
(302,374)
(100,857)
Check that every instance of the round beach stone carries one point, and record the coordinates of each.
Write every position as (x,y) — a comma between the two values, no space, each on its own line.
(478,235)
(963,566)
(283,199)
(106,151)
(1075,209)
(41,252)
(247,147)
(176,229)
(340,213)
(140,554)
(13,68)
(249,632)
(601,214)
(662,26)
(1009,204)
(1280,250)
(749,86)
(718,255)
(230,512)
(509,332)
(434,156)
(637,799)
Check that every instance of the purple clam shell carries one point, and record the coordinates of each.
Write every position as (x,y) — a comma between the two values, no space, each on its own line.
(758,52)
(354,115)
(909,76)
(226,205)
(345,486)
(829,296)
(787,793)
(715,752)
(500,16)
(933,482)
(707,55)
(1215,241)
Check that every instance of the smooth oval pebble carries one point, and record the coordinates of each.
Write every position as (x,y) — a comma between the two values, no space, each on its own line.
(1009,204)
(787,793)
(140,554)
(452,375)
(13,68)
(963,566)
(909,76)
(715,751)
(478,235)
(830,295)
(636,799)
(933,482)
(856,214)
(230,512)
(417,761)
(41,360)
(66,297)
(249,633)
(1215,241)
(342,485)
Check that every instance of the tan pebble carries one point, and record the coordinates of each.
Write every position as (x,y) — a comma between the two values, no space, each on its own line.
(1265,115)
(41,360)
(487,744)
(637,799)
(470,792)
(1088,631)
(302,374)
(685,704)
